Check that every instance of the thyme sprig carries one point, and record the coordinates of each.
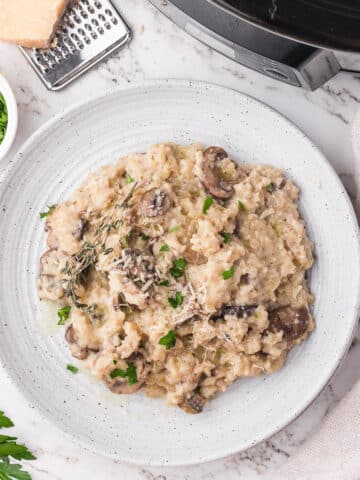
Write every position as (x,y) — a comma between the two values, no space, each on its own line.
(125,202)
(85,259)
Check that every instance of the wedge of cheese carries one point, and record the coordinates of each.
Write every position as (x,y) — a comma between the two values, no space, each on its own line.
(30,23)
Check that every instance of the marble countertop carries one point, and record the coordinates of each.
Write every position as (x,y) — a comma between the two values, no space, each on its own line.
(159,50)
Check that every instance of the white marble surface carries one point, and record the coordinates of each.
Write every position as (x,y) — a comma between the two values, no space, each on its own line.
(158,50)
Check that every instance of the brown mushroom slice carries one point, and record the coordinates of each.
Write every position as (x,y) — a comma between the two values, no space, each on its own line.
(194,258)
(213,179)
(49,281)
(154,202)
(239,311)
(80,228)
(52,240)
(192,403)
(293,322)
(121,385)
(76,350)
(119,302)
(136,265)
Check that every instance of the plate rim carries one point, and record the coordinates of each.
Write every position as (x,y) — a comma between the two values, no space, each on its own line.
(11,168)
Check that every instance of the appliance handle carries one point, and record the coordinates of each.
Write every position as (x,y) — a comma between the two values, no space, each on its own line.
(349,70)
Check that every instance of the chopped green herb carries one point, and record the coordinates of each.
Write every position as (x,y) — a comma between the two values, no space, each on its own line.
(144,237)
(51,208)
(114,362)
(129,373)
(241,206)
(63,314)
(72,369)
(117,372)
(129,179)
(177,269)
(174,229)
(107,250)
(207,204)
(177,300)
(226,236)
(164,283)
(3,118)
(270,188)
(228,273)
(165,248)
(168,340)
(125,203)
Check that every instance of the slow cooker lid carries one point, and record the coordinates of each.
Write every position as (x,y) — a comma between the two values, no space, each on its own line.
(332,24)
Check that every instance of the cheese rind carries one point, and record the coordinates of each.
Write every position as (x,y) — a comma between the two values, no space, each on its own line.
(30,23)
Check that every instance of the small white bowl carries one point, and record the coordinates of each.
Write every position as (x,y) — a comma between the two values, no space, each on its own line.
(10,101)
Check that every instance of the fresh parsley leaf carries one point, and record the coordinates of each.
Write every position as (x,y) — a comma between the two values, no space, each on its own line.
(51,208)
(63,314)
(180,263)
(129,179)
(12,471)
(72,369)
(207,204)
(117,372)
(178,267)
(270,188)
(114,362)
(164,283)
(14,450)
(226,236)
(228,273)
(174,229)
(177,300)
(144,237)
(241,206)
(168,340)
(6,438)
(5,422)
(9,448)
(129,373)
(165,248)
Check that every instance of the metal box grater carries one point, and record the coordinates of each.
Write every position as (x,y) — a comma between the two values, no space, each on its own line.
(89,31)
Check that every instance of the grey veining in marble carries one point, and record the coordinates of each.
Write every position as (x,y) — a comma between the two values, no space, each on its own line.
(160,50)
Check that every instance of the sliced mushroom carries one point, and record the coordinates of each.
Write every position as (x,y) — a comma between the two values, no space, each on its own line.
(194,258)
(192,403)
(52,240)
(121,385)
(138,267)
(80,228)
(239,311)
(76,350)
(49,282)
(154,202)
(292,322)
(121,284)
(213,179)
(119,302)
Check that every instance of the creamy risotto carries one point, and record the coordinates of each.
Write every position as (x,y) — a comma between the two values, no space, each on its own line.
(177,271)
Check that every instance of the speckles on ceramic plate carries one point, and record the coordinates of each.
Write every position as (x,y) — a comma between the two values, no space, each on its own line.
(57,158)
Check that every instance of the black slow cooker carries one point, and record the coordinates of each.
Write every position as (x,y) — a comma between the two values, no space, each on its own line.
(290,40)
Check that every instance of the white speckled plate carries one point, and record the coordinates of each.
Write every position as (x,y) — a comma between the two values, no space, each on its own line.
(57,158)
